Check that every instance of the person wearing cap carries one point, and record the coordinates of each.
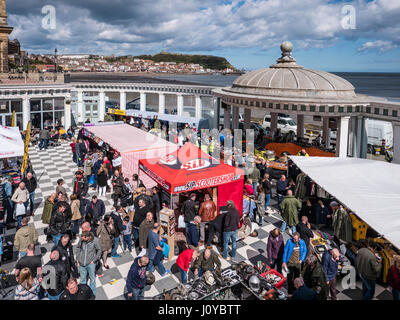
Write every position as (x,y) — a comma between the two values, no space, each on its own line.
(369,266)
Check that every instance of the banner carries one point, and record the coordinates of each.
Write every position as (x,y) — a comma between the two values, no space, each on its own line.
(13,119)
(117,112)
(27,138)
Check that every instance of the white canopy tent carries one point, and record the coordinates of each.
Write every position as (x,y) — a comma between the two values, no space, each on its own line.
(11,144)
(369,188)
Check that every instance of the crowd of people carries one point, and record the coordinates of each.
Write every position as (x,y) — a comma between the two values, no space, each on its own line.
(84,235)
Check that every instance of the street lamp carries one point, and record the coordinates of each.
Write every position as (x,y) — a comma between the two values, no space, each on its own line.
(55,64)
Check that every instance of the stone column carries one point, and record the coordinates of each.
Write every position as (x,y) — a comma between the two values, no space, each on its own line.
(161,103)
(247,118)
(199,107)
(274,122)
(142,101)
(343,137)
(227,117)
(67,113)
(326,132)
(396,142)
(26,112)
(300,126)
(235,117)
(122,100)
(353,137)
(179,104)
(102,105)
(80,106)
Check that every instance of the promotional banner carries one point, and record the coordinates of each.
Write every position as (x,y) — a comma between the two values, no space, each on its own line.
(13,119)
(27,138)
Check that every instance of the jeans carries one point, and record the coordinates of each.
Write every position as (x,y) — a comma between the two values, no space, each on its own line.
(276,264)
(135,234)
(227,236)
(57,297)
(127,242)
(396,294)
(294,272)
(88,270)
(192,235)
(95,182)
(280,198)
(22,254)
(9,206)
(56,238)
(267,200)
(283,227)
(30,202)
(1,229)
(137,294)
(115,247)
(201,271)
(183,275)
(43,143)
(255,184)
(156,262)
(19,220)
(368,288)
(203,230)
(75,226)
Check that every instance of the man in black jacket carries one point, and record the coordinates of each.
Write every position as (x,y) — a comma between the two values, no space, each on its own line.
(81,152)
(118,228)
(75,291)
(97,209)
(266,184)
(157,204)
(117,182)
(231,226)
(304,228)
(30,185)
(59,223)
(190,209)
(80,184)
(57,274)
(140,215)
(65,250)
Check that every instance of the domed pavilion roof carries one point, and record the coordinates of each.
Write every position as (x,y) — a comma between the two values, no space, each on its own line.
(288,79)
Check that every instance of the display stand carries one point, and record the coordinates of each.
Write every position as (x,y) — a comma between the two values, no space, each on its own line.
(167,230)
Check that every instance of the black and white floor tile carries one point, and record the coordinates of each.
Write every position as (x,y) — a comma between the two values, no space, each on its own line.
(56,162)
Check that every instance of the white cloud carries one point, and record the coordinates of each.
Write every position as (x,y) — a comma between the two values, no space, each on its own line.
(380,45)
(97,26)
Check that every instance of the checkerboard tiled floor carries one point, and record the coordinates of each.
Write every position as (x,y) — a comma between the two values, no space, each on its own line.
(53,163)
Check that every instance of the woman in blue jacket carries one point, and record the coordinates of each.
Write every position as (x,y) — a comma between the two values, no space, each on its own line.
(294,254)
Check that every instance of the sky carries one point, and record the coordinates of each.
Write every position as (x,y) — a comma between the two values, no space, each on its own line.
(326,34)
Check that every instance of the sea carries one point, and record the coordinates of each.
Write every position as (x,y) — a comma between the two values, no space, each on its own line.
(385,85)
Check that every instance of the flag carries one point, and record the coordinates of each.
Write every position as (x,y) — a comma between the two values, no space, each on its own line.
(27,138)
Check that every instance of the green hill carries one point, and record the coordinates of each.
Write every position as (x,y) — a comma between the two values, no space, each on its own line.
(210,62)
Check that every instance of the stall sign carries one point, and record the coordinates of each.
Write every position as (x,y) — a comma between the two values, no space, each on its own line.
(117,112)
(208,182)
(117,162)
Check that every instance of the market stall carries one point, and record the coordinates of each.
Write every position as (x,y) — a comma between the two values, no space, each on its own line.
(131,143)
(189,169)
(367,193)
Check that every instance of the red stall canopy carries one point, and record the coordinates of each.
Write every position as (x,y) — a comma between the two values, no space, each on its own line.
(189,169)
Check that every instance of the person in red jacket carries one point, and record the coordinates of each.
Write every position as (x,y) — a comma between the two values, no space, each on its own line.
(394,278)
(184,259)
